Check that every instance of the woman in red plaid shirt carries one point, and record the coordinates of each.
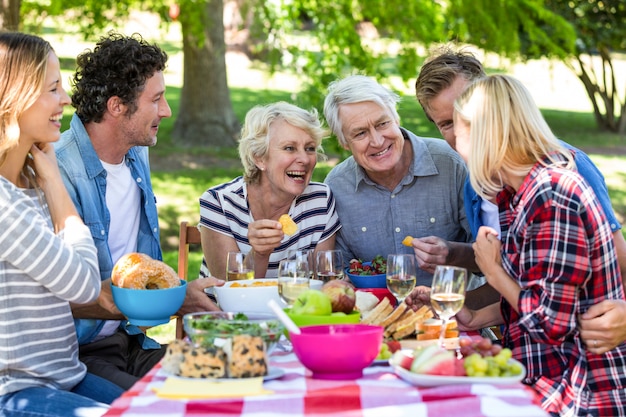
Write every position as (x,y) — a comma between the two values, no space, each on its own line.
(555,255)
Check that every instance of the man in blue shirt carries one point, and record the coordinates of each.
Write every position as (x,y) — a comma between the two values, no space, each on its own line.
(119,96)
(441,80)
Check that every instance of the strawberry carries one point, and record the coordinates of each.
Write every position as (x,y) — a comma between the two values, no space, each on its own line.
(393,345)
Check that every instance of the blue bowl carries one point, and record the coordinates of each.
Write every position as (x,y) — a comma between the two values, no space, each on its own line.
(149,307)
(367,281)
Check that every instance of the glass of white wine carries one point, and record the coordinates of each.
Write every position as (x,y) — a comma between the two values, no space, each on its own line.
(401,275)
(293,279)
(239,266)
(305,254)
(329,265)
(447,294)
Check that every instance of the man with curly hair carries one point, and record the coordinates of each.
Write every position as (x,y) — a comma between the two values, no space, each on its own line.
(119,96)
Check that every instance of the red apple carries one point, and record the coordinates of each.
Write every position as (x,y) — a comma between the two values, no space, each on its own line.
(341,294)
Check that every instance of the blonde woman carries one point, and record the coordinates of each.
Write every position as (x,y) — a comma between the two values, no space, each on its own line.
(47,256)
(279,147)
(555,256)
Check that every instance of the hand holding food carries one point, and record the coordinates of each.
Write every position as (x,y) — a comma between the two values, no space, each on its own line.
(289,226)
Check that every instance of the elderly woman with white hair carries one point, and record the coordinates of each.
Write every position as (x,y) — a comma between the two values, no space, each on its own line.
(279,147)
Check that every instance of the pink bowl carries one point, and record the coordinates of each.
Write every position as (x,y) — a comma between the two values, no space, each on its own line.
(337,351)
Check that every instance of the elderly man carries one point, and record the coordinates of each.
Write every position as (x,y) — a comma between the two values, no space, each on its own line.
(395,184)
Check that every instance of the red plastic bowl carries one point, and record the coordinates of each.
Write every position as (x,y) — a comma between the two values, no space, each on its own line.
(337,351)
(381,293)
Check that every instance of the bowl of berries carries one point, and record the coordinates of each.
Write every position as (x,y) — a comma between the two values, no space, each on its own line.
(368,274)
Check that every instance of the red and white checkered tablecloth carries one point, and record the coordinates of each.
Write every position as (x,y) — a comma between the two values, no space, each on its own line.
(378,393)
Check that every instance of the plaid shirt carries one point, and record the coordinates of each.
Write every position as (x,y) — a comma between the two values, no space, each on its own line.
(559,247)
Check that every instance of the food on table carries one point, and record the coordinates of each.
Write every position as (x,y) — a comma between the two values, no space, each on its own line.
(431,329)
(400,322)
(480,358)
(485,358)
(379,313)
(239,284)
(289,226)
(395,315)
(222,347)
(387,349)
(376,267)
(312,302)
(342,295)
(408,241)
(247,357)
(430,360)
(405,326)
(139,271)
(365,302)
(174,355)
(183,359)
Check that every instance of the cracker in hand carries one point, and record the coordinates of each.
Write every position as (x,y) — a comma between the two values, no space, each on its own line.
(289,226)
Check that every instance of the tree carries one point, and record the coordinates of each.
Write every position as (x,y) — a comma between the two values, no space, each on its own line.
(10,14)
(600,31)
(345,36)
(206,113)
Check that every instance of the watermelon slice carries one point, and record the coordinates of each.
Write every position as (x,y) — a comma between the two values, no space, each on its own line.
(433,360)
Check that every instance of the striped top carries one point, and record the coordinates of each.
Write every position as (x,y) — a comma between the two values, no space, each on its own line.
(224,208)
(40,273)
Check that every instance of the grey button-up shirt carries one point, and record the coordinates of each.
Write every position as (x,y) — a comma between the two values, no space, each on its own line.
(427,202)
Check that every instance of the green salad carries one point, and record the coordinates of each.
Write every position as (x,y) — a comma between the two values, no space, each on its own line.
(240,324)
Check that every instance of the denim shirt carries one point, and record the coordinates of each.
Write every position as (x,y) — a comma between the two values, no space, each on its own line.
(586,168)
(85,179)
(428,201)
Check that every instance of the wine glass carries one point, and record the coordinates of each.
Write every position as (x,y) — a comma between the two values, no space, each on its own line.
(401,275)
(329,265)
(239,266)
(293,279)
(447,294)
(305,254)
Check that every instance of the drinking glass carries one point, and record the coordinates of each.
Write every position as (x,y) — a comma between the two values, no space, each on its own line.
(447,294)
(304,254)
(329,265)
(239,266)
(293,279)
(401,275)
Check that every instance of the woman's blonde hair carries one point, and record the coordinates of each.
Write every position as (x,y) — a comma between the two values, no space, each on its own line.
(508,134)
(23,64)
(254,140)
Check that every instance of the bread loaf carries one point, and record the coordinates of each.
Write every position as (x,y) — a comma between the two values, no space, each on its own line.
(139,271)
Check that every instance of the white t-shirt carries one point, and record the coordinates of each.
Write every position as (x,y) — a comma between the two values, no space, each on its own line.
(123,201)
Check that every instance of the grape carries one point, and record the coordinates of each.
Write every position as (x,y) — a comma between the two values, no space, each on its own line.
(483,358)
(384,353)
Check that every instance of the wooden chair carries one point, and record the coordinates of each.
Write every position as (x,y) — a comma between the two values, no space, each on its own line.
(187,235)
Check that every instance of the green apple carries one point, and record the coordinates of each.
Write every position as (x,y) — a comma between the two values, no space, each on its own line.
(312,302)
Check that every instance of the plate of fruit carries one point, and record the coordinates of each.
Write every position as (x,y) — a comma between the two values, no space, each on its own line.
(481,362)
